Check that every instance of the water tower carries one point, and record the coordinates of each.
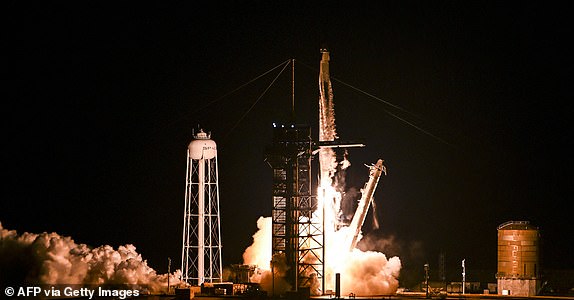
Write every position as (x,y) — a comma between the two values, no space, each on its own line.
(201,250)
(518,259)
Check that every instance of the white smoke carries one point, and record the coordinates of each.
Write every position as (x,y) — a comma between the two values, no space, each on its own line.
(369,273)
(259,254)
(362,272)
(49,258)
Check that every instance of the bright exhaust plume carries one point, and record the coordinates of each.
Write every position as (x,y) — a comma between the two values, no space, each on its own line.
(362,272)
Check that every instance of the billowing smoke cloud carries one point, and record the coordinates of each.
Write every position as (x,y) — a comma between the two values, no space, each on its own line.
(369,273)
(259,254)
(362,272)
(273,281)
(49,258)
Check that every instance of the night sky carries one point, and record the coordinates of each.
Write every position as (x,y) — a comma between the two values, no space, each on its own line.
(100,100)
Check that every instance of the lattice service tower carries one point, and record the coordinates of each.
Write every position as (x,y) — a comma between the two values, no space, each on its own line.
(297,236)
(201,249)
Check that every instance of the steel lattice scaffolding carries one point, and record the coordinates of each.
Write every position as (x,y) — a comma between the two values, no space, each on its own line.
(297,234)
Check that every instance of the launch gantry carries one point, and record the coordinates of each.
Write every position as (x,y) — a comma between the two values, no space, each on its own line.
(297,237)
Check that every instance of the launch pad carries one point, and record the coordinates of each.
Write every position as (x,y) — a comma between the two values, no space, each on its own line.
(306,217)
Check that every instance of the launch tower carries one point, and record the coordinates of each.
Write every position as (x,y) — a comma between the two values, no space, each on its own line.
(296,235)
(201,249)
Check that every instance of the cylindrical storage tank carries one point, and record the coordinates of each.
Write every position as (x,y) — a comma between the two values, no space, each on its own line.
(202,147)
(518,243)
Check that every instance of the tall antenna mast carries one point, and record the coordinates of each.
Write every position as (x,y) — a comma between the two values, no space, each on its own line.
(293,90)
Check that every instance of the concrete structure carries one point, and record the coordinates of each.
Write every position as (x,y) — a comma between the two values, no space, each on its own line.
(201,249)
(518,262)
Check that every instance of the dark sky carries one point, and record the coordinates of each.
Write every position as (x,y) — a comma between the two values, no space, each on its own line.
(99,102)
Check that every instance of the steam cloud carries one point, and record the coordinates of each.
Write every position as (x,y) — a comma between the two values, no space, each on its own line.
(49,258)
(259,254)
(370,273)
(362,272)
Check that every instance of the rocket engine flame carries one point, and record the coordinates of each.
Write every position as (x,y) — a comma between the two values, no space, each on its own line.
(369,272)
(49,258)
(363,272)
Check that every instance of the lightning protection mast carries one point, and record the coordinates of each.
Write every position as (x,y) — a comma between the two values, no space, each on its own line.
(201,249)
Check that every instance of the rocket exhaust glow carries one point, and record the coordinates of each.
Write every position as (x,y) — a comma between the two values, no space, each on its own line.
(347,259)
(363,273)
